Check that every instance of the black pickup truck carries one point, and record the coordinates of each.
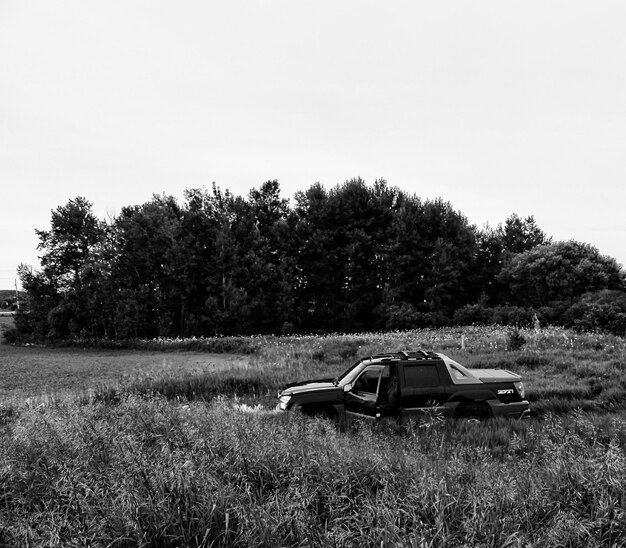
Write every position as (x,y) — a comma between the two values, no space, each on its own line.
(405,385)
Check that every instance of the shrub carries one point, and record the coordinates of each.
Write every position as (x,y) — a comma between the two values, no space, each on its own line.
(473,314)
(513,315)
(600,311)
(404,316)
(515,339)
(9,334)
(550,315)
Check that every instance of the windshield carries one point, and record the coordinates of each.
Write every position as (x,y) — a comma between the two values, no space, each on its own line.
(349,374)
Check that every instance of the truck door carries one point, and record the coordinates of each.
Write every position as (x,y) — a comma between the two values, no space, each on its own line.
(422,390)
(361,397)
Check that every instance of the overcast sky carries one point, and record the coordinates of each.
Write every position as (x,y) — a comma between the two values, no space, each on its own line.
(497,106)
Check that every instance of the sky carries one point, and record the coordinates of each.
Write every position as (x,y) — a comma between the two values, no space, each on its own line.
(498,107)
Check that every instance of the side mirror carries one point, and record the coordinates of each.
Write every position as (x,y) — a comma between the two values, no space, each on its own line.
(347,387)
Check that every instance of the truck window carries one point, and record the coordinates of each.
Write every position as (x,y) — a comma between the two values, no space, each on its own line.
(460,374)
(421,376)
(385,375)
(367,383)
(457,373)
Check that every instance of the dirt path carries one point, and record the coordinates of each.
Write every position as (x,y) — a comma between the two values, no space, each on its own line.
(26,371)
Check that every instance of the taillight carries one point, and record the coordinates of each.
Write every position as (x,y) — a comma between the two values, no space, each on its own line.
(519,386)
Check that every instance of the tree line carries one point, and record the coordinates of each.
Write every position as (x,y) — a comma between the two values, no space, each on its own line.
(353,258)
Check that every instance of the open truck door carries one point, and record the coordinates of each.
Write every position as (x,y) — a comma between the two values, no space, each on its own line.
(371,396)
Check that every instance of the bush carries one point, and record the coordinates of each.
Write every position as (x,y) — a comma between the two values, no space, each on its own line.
(404,316)
(473,314)
(550,315)
(287,329)
(515,339)
(9,334)
(601,311)
(513,315)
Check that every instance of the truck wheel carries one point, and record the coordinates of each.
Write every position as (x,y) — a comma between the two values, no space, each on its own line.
(473,413)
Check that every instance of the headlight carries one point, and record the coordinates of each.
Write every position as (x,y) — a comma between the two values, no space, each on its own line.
(284,401)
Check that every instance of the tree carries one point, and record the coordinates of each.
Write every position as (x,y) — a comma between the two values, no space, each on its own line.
(221,242)
(73,234)
(496,247)
(341,242)
(42,295)
(519,235)
(58,304)
(270,245)
(268,207)
(559,273)
(431,257)
(355,257)
(148,269)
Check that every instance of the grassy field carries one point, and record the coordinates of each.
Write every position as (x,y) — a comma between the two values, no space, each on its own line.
(148,448)
(54,373)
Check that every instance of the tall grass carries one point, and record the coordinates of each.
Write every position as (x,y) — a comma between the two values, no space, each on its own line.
(199,459)
(148,472)
(219,345)
(475,338)
(562,371)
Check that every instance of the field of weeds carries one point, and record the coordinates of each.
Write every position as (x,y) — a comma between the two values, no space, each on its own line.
(191,457)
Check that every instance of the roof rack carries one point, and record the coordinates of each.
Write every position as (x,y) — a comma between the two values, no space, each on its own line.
(403,355)
(420,354)
(386,356)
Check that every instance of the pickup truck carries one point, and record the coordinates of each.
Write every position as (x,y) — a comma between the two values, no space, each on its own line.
(406,385)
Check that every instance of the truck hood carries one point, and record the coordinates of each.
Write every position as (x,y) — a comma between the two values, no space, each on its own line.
(495,375)
(309,386)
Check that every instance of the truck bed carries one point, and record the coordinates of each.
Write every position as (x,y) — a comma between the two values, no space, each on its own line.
(495,375)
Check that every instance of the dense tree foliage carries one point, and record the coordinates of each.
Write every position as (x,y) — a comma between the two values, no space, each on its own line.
(355,257)
(498,246)
(559,273)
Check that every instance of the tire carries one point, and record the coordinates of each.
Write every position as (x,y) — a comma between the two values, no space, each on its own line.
(472,418)
(473,414)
